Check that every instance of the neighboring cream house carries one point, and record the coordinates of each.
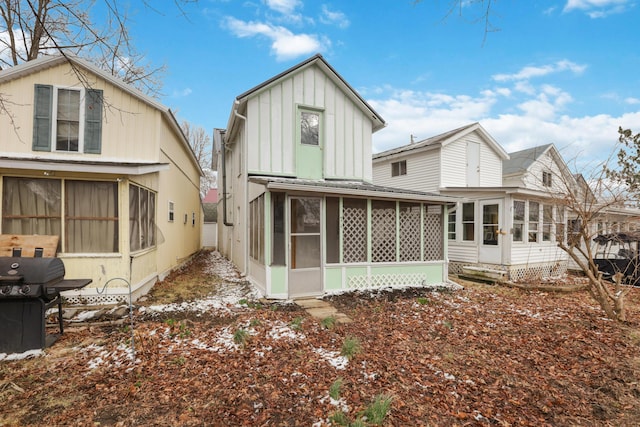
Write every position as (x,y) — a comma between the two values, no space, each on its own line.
(509,215)
(298,213)
(106,168)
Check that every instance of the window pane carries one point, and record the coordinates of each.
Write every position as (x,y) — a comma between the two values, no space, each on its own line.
(333,230)
(518,210)
(518,220)
(91,217)
(279,243)
(32,206)
(134,217)
(451,229)
(490,224)
(68,120)
(305,215)
(534,216)
(468,220)
(309,128)
(305,251)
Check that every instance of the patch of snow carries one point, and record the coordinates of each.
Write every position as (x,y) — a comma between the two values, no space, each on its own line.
(85,315)
(282,330)
(333,357)
(29,354)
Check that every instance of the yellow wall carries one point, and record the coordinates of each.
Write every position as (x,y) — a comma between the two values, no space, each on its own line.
(127,121)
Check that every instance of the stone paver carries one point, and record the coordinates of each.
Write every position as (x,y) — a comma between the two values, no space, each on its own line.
(321,309)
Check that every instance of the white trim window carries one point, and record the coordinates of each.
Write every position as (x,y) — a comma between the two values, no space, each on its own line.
(399,168)
(172,211)
(468,221)
(518,220)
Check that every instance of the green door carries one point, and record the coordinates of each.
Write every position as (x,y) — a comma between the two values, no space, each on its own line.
(309,162)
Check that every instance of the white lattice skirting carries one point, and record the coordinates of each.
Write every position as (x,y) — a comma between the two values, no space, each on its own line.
(386,280)
(518,273)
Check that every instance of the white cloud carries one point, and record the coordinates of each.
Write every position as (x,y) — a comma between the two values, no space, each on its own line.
(530,72)
(286,7)
(598,8)
(632,101)
(182,93)
(541,118)
(425,114)
(284,44)
(334,17)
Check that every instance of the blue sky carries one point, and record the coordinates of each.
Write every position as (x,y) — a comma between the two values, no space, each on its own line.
(566,72)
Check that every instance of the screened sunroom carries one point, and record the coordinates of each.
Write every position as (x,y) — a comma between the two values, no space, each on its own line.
(310,238)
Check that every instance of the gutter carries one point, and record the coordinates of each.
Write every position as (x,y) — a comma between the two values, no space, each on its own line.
(223,162)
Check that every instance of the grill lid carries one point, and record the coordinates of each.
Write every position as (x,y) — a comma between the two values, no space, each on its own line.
(34,271)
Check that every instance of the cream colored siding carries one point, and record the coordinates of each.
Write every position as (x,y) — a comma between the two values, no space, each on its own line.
(272,137)
(130,127)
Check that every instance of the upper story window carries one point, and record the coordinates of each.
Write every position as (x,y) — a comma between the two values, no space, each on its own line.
(67,120)
(399,168)
(546,179)
(310,128)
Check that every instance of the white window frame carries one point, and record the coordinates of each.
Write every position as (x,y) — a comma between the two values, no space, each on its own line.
(399,168)
(54,119)
(172,211)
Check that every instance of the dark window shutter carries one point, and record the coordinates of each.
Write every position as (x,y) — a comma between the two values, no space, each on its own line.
(42,118)
(93,122)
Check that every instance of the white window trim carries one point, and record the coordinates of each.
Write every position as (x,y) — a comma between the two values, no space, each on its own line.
(54,120)
(171,211)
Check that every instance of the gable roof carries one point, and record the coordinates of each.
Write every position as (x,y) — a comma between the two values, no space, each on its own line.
(446,138)
(520,161)
(316,60)
(45,62)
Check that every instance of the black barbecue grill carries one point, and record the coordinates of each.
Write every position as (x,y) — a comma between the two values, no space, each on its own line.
(28,287)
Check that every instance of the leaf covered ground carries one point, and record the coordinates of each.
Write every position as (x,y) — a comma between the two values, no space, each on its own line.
(485,355)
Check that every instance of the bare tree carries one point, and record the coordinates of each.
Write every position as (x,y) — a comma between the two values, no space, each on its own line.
(589,203)
(33,28)
(201,145)
(478,11)
(585,203)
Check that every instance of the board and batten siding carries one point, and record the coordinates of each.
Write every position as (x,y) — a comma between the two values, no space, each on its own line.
(272,120)
(423,171)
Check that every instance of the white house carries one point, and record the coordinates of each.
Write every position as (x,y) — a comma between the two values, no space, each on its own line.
(509,215)
(298,212)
